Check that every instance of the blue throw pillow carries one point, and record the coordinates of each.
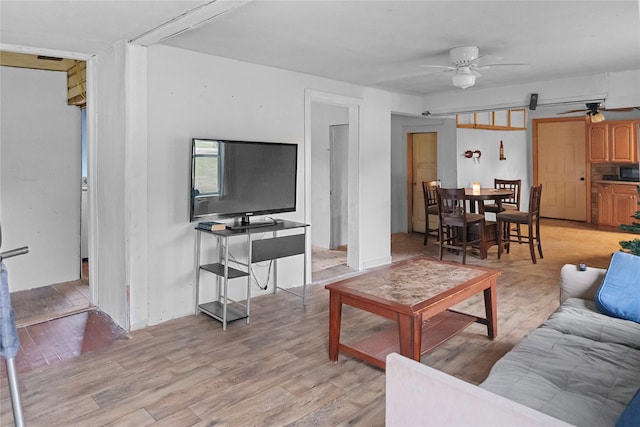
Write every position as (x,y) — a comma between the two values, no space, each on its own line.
(631,415)
(619,294)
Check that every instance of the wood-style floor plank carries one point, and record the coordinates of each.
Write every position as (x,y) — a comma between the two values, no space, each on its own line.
(275,371)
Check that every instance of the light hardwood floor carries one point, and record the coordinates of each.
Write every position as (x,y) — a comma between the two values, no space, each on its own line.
(275,371)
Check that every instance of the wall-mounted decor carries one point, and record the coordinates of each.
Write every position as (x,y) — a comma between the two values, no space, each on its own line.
(475,155)
(502,157)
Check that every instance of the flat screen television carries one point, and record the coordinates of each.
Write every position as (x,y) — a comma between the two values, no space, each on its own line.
(241,179)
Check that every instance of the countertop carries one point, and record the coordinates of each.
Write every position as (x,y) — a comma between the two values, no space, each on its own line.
(615,181)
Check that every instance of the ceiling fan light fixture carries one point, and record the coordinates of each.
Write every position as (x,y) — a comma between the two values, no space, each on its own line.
(463,78)
(596,117)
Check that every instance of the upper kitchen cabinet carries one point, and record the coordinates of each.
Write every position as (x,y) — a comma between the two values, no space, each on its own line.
(623,142)
(598,143)
(613,142)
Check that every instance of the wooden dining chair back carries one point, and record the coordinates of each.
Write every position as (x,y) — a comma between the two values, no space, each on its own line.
(455,221)
(530,218)
(511,203)
(430,207)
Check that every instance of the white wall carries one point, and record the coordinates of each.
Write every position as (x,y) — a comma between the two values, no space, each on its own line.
(40,168)
(196,95)
(620,89)
(489,166)
(109,186)
(322,117)
(447,160)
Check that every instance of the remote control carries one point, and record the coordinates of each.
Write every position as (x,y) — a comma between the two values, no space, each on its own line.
(582,267)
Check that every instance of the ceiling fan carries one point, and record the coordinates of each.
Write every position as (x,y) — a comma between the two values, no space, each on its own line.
(467,61)
(594,111)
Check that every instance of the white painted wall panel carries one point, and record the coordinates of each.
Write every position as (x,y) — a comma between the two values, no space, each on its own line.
(196,95)
(40,165)
(109,186)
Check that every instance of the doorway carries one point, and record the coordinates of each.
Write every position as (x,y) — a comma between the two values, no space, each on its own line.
(422,165)
(338,189)
(52,280)
(322,111)
(560,165)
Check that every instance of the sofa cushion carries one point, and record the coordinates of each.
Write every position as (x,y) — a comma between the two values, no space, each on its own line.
(631,415)
(573,378)
(619,294)
(581,318)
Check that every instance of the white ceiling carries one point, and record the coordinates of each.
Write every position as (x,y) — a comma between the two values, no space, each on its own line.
(371,43)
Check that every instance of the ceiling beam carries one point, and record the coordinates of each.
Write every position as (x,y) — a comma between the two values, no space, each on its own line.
(187,21)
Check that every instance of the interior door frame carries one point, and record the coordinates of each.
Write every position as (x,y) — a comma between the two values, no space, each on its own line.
(354,252)
(91,90)
(535,161)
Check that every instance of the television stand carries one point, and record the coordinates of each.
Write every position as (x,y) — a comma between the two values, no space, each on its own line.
(259,247)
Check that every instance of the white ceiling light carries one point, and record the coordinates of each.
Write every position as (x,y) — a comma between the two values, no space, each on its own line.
(463,78)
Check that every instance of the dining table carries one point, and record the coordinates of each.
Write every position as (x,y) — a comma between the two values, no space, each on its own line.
(476,199)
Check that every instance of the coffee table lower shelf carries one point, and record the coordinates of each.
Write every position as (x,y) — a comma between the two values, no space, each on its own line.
(435,331)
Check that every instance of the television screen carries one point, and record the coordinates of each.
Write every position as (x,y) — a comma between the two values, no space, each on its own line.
(242,178)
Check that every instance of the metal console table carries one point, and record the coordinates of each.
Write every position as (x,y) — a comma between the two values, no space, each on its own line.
(270,248)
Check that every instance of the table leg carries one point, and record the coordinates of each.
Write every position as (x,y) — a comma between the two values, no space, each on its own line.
(335,318)
(491,310)
(410,334)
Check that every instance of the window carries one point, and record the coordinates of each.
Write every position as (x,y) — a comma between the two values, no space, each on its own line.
(206,167)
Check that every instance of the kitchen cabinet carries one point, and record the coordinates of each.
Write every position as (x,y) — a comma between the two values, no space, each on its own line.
(613,142)
(617,203)
(623,142)
(598,143)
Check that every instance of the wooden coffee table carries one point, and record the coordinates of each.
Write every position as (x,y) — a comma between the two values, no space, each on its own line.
(417,293)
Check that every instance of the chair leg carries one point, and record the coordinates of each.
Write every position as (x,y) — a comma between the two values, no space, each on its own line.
(499,226)
(507,239)
(538,238)
(464,245)
(426,229)
(531,246)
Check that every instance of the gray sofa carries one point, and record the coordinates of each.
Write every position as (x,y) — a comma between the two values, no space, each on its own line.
(580,367)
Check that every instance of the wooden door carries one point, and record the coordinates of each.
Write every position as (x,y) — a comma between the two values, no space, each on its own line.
(562,169)
(424,167)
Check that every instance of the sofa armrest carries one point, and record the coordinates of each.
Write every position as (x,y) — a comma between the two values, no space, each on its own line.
(418,395)
(580,284)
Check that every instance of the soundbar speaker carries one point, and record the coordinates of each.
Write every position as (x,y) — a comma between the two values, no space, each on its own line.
(533,102)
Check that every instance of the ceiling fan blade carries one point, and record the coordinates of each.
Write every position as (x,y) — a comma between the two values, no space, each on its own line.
(574,111)
(618,109)
(483,60)
(442,67)
(513,66)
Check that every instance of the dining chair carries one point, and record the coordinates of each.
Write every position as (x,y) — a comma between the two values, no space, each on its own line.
(455,221)
(512,203)
(530,218)
(430,206)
